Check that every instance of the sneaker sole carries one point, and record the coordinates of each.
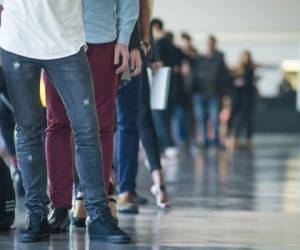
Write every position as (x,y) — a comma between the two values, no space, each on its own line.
(111,239)
(31,238)
(128,211)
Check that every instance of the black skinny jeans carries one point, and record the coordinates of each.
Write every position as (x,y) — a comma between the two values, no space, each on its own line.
(147,131)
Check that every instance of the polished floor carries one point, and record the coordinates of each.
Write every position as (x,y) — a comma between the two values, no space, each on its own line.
(242,200)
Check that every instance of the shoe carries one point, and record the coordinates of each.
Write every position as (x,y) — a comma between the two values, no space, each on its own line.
(18,183)
(37,229)
(127,204)
(79,215)
(106,229)
(112,203)
(172,153)
(59,220)
(141,200)
(161,196)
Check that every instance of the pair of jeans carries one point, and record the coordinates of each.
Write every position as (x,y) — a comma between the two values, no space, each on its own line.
(59,153)
(134,123)
(207,109)
(71,77)
(7,125)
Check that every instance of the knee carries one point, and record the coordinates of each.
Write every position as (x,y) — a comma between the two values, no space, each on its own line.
(58,129)
(33,132)
(87,130)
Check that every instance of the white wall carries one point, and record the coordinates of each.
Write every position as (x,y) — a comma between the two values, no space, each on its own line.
(269,28)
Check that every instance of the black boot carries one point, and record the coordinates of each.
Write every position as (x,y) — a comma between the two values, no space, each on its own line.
(37,229)
(59,220)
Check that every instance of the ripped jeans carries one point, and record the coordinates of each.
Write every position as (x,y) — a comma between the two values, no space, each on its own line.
(71,78)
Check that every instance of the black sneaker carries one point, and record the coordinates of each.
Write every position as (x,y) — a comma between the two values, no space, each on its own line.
(141,200)
(78,222)
(37,229)
(106,229)
(59,220)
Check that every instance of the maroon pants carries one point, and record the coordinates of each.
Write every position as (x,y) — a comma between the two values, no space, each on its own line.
(59,154)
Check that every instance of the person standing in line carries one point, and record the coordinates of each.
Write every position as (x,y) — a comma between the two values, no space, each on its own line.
(244,91)
(134,123)
(108,27)
(164,54)
(209,79)
(50,36)
(190,56)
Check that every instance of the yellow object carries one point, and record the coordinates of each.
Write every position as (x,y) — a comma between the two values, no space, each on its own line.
(43,92)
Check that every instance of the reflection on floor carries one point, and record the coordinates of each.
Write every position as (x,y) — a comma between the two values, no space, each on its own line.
(246,200)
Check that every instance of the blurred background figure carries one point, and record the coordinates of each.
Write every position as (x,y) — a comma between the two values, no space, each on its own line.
(190,54)
(165,54)
(210,78)
(243,99)
(285,86)
(188,47)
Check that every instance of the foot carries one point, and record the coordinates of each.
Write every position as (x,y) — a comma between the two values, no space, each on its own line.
(18,183)
(106,229)
(141,200)
(37,229)
(127,204)
(161,196)
(59,220)
(172,153)
(112,203)
(79,215)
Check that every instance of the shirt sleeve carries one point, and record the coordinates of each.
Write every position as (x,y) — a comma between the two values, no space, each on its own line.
(127,14)
(135,38)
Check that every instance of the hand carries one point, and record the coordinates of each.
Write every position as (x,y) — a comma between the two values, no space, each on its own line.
(121,57)
(136,62)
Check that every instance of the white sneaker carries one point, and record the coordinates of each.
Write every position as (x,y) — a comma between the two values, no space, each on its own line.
(158,191)
(172,153)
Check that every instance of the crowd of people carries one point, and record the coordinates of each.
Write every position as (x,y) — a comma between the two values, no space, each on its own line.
(98,109)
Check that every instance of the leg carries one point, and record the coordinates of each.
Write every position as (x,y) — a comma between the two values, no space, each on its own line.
(213,109)
(23,78)
(201,117)
(7,128)
(127,137)
(72,79)
(146,127)
(150,141)
(101,58)
(58,150)
(127,145)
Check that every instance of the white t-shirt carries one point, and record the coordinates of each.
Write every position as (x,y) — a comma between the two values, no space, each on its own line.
(42,29)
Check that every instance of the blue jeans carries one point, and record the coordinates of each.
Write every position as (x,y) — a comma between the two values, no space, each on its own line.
(72,79)
(127,136)
(207,109)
